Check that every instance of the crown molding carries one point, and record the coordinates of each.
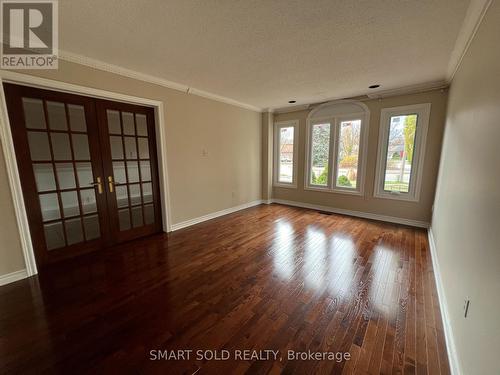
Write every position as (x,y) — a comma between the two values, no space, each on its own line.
(406,90)
(223,99)
(472,20)
(294,108)
(100,65)
(129,73)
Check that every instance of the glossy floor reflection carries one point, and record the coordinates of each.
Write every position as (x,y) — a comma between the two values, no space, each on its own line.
(269,277)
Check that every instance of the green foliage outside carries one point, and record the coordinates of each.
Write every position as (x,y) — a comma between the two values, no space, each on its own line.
(321,144)
(343,181)
(349,161)
(321,179)
(409,136)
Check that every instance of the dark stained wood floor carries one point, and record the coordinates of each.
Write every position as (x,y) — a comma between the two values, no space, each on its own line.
(269,277)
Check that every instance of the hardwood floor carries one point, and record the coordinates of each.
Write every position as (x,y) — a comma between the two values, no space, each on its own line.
(266,278)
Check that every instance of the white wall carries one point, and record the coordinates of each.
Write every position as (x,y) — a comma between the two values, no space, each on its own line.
(213,152)
(466,219)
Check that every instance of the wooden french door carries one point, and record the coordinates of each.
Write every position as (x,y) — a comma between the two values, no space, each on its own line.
(88,170)
(130,169)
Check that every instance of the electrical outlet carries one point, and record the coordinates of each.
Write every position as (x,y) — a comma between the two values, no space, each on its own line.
(466,307)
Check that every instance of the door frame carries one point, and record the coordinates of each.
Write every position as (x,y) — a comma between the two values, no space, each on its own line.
(10,156)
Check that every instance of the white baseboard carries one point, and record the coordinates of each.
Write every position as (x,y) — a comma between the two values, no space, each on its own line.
(365,215)
(14,276)
(213,215)
(448,332)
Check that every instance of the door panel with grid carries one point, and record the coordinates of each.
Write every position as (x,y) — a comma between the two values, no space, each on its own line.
(57,148)
(88,170)
(132,170)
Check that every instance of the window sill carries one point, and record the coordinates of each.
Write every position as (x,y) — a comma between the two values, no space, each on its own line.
(283,185)
(395,196)
(334,191)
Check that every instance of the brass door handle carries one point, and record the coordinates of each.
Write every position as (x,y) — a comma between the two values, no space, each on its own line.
(111,184)
(98,183)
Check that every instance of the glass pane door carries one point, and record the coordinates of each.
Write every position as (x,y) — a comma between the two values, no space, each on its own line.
(131,171)
(57,147)
(88,170)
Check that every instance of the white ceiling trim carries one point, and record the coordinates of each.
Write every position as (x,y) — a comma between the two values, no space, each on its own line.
(406,90)
(472,20)
(101,65)
(413,89)
(223,99)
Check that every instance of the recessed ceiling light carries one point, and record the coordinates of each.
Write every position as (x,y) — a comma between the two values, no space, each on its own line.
(374,86)
(292,101)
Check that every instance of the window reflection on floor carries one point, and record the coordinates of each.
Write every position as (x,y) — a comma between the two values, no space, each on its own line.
(314,258)
(283,251)
(330,262)
(341,263)
(385,271)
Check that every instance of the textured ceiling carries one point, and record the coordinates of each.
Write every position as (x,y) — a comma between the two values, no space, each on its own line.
(264,53)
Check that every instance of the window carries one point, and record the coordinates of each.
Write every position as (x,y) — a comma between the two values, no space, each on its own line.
(348,154)
(320,154)
(336,147)
(285,155)
(401,151)
(399,157)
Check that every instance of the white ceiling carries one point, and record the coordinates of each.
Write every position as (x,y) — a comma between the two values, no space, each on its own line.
(264,53)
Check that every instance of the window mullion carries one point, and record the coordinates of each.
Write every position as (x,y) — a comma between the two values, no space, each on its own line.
(415,158)
(309,153)
(333,149)
(294,151)
(276,153)
(387,129)
(336,157)
(361,156)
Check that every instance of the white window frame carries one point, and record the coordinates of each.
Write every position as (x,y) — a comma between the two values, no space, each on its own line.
(364,115)
(277,126)
(423,114)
